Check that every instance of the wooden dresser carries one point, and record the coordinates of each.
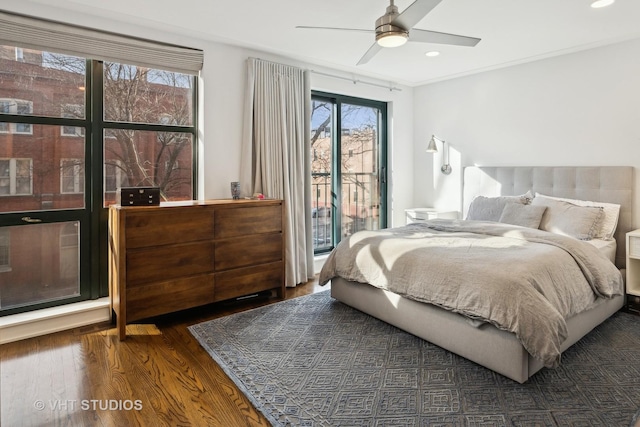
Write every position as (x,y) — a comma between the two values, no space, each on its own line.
(185,254)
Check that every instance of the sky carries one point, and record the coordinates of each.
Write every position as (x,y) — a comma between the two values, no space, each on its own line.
(353,117)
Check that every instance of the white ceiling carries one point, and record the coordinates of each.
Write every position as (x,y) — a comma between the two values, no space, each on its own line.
(512,31)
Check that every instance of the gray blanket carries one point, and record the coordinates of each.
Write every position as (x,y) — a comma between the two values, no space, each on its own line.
(522,280)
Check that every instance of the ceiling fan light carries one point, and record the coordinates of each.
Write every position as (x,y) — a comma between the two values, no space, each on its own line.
(601,3)
(392,39)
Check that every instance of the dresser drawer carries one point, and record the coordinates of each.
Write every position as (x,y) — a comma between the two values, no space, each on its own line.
(251,250)
(248,280)
(162,226)
(169,262)
(166,297)
(234,222)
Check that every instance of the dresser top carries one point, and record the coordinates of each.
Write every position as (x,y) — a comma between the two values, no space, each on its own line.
(185,203)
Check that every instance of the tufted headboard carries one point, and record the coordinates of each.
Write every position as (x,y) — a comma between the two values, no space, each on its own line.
(610,184)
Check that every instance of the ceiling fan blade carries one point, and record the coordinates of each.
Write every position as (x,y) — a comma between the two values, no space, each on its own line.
(375,48)
(414,13)
(425,36)
(305,27)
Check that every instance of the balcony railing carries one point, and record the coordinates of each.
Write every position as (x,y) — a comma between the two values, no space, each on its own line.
(359,207)
(321,212)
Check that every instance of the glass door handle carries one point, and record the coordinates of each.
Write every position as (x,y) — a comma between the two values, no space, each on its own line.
(30,220)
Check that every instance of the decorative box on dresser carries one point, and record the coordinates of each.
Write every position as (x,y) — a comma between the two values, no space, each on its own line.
(181,255)
(633,271)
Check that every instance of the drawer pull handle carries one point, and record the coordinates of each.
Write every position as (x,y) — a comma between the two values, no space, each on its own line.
(31,220)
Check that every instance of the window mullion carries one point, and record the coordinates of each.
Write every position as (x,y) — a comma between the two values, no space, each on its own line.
(94,179)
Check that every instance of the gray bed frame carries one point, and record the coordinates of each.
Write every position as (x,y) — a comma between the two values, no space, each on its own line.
(488,346)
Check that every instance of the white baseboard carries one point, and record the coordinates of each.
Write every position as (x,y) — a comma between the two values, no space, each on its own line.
(49,320)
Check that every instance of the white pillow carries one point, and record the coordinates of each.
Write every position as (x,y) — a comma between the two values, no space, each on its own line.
(608,223)
(490,208)
(560,217)
(523,215)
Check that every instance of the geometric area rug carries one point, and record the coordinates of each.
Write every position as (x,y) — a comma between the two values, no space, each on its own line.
(313,361)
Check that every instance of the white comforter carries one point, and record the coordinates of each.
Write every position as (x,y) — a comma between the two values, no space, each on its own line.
(521,280)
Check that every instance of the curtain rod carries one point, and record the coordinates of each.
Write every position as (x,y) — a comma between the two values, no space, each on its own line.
(354,80)
(390,87)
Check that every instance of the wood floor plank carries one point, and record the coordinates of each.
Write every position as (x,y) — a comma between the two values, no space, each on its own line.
(113,377)
(170,380)
(226,393)
(78,374)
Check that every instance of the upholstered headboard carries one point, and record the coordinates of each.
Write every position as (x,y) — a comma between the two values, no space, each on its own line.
(610,184)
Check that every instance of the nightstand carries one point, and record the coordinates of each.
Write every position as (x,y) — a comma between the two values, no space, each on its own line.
(633,271)
(424,214)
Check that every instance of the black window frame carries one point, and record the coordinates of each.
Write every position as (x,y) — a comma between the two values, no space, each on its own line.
(94,229)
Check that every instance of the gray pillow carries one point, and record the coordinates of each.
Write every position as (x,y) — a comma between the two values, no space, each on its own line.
(522,215)
(581,222)
(490,208)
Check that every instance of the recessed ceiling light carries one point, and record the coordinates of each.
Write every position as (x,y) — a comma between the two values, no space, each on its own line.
(601,3)
(432,53)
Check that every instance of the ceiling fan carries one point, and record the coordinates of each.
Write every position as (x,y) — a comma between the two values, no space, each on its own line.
(395,29)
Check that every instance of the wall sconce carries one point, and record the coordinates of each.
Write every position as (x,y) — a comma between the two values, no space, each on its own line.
(433,148)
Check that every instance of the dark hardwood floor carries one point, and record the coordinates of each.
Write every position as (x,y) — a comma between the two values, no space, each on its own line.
(158,376)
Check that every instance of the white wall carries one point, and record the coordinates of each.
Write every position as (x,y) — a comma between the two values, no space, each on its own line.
(224,77)
(580,109)
(222,95)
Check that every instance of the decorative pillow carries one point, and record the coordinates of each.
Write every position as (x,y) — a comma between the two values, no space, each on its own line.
(522,215)
(490,208)
(609,221)
(560,217)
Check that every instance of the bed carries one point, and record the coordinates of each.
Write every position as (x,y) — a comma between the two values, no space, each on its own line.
(483,341)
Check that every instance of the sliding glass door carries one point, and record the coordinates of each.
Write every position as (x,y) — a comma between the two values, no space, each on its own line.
(348,167)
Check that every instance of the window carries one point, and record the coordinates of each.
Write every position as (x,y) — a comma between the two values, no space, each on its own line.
(159,135)
(73,111)
(167,119)
(348,168)
(72,130)
(71,176)
(15,177)
(114,176)
(15,106)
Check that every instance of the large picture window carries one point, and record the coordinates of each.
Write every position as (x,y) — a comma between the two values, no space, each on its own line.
(72,130)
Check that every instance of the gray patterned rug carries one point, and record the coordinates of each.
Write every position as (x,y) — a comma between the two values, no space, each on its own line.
(312,361)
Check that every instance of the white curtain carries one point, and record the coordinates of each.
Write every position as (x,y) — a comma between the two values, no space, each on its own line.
(275,154)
